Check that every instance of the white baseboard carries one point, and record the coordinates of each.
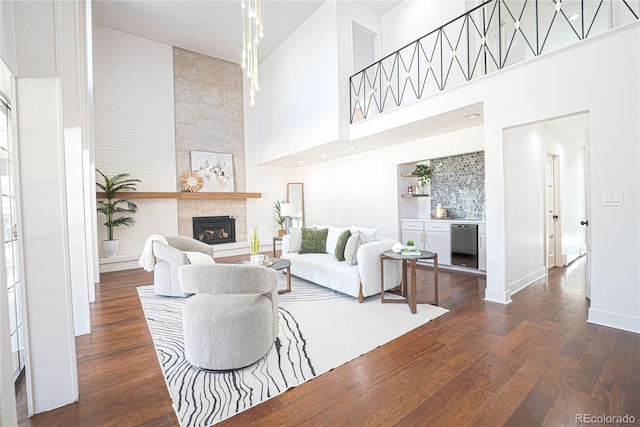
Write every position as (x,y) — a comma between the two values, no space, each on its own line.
(573,254)
(525,281)
(614,320)
(118,263)
(502,297)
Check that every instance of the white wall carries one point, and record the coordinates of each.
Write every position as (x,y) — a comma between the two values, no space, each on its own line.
(411,20)
(362,189)
(613,109)
(143,120)
(271,181)
(51,357)
(524,162)
(297,105)
(73,73)
(135,129)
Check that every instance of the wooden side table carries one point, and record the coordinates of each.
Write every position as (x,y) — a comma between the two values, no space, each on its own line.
(280,264)
(409,289)
(276,239)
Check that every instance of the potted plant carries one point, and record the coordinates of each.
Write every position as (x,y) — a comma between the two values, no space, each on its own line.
(423,172)
(254,244)
(410,244)
(112,208)
(279,218)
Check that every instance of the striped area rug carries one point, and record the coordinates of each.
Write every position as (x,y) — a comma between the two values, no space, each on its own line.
(319,330)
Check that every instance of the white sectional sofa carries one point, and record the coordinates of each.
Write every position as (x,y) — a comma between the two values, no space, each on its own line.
(360,280)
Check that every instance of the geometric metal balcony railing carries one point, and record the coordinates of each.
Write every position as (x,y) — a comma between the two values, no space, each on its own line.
(489,37)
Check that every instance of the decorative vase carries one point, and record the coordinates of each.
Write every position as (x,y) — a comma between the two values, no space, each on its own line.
(257,259)
(109,247)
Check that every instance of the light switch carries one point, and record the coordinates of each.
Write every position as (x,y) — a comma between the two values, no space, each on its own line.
(613,198)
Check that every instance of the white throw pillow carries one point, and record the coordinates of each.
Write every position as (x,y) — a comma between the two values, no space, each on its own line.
(369,234)
(332,238)
(351,250)
(199,258)
(296,240)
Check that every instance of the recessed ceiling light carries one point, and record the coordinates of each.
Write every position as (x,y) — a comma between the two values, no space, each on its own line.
(471,116)
(323,155)
(574,17)
(353,147)
(300,161)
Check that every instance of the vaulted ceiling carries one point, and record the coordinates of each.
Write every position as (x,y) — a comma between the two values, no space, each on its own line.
(210,27)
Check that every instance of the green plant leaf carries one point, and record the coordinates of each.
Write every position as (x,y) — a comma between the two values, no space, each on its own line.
(111,186)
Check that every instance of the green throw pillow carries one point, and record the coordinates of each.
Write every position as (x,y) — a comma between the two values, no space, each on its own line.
(314,241)
(341,244)
(351,250)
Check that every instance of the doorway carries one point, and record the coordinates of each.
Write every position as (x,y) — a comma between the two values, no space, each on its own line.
(545,195)
(363,47)
(554,233)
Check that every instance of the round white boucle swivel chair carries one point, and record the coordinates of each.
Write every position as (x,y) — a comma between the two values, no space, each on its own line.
(232,320)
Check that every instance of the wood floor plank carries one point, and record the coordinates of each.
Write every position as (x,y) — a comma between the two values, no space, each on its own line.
(531,411)
(534,361)
(510,395)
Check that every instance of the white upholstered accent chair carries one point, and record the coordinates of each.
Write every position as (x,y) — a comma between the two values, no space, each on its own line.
(169,258)
(232,320)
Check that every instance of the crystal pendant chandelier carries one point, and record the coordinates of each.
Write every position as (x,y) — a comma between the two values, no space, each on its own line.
(251,34)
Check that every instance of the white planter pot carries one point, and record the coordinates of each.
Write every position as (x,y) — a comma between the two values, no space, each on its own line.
(109,248)
(257,259)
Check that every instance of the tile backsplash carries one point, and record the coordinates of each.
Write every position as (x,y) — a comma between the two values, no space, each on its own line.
(457,183)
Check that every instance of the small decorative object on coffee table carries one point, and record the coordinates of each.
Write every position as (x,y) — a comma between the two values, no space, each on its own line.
(409,290)
(254,243)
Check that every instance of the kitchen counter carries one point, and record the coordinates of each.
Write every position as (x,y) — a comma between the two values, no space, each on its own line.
(434,235)
(449,220)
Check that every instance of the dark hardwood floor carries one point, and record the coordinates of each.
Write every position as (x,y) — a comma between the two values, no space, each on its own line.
(532,362)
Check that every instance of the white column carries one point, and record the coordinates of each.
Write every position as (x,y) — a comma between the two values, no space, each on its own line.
(51,354)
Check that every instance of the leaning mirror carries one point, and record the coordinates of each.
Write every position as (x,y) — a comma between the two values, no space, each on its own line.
(295,196)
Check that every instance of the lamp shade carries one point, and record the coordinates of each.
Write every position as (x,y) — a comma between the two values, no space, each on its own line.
(288,209)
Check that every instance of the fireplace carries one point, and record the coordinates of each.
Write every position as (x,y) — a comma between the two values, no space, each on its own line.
(214,230)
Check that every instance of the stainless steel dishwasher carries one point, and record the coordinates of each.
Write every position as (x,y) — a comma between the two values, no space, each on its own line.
(464,245)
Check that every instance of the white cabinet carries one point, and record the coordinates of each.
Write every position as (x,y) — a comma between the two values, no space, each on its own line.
(433,236)
(482,247)
(437,238)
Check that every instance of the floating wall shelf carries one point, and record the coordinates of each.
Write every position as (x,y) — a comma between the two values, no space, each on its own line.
(183,195)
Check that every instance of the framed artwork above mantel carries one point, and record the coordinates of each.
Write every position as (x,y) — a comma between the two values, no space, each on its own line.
(216,170)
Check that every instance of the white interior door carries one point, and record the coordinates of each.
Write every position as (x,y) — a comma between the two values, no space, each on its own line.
(551,216)
(587,209)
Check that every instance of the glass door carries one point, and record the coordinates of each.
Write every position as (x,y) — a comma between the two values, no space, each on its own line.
(10,253)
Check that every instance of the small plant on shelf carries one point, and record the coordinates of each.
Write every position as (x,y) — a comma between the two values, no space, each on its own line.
(423,172)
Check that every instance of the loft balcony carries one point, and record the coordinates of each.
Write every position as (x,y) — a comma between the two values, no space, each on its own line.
(487,38)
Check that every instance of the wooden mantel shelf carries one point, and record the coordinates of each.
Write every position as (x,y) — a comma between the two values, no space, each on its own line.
(183,195)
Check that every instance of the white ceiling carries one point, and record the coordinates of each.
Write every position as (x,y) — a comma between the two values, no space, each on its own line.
(213,27)
(210,27)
